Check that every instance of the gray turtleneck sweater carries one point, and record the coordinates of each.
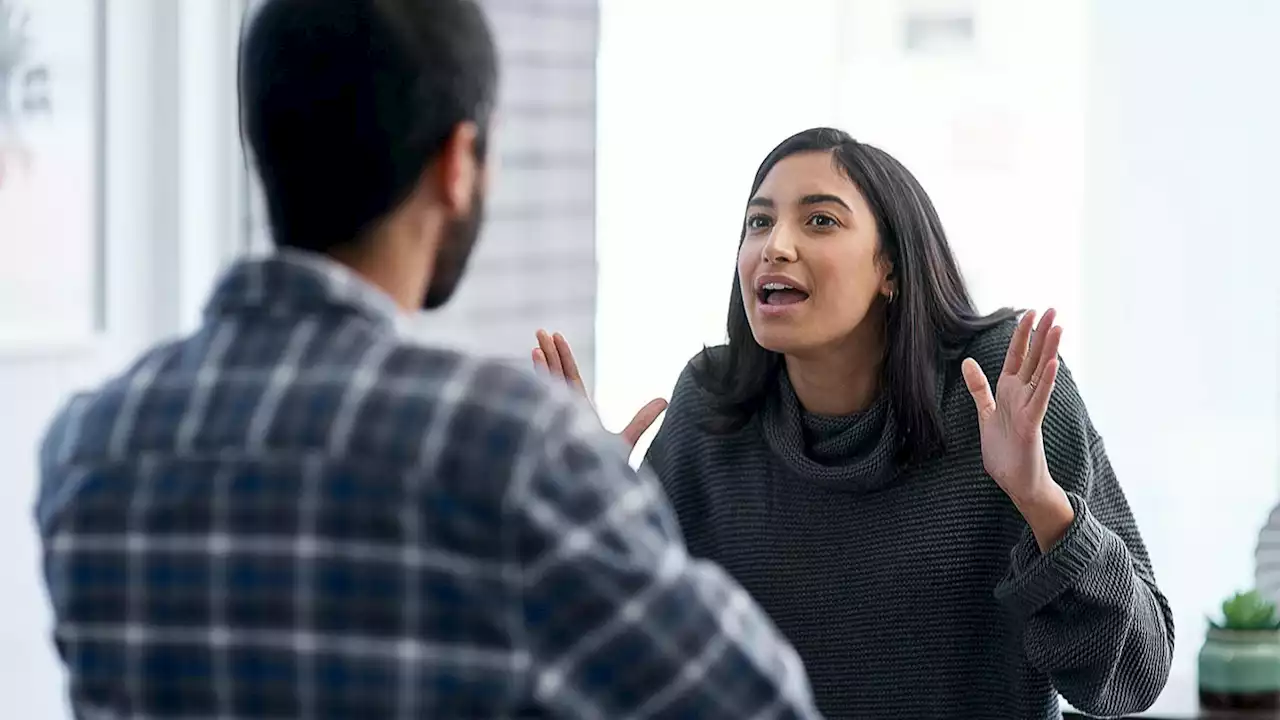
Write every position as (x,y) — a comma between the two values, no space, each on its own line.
(919,592)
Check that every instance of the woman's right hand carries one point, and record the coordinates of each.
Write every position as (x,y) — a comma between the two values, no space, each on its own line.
(554,357)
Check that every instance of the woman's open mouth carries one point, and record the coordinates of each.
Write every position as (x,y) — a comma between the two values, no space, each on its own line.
(777,298)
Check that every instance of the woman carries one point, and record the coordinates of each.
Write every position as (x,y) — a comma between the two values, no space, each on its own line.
(931,548)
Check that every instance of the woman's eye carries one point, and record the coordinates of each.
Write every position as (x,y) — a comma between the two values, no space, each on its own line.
(758,222)
(823,221)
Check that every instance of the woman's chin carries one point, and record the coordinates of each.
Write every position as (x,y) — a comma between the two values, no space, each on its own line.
(778,340)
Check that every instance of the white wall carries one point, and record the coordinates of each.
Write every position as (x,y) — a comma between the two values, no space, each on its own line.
(1181,299)
(158,268)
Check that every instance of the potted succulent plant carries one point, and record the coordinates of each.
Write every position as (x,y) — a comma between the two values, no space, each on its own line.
(1240,659)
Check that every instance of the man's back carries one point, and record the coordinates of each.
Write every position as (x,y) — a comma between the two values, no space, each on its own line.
(295,514)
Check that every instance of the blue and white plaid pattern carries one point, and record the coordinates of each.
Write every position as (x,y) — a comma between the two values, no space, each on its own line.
(295,514)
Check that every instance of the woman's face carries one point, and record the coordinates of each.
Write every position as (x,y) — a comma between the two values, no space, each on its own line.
(809,266)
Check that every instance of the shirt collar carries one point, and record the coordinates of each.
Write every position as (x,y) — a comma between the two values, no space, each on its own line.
(294,282)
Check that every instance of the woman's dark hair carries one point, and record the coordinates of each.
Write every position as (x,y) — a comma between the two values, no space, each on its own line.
(931,312)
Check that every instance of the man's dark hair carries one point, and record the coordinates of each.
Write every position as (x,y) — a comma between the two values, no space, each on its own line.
(346,102)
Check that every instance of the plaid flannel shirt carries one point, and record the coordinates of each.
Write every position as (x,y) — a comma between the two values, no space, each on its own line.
(294,513)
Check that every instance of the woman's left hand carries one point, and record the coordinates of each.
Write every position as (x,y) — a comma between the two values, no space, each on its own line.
(1009,425)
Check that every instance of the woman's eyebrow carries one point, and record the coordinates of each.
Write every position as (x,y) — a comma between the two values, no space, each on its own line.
(824,198)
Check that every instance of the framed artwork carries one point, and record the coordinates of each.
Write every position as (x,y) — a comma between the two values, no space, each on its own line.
(52,277)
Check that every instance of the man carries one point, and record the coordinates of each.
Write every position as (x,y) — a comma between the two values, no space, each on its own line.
(295,514)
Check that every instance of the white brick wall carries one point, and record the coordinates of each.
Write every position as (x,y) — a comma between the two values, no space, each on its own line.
(536,263)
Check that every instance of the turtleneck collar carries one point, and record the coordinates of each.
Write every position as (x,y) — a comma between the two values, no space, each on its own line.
(855,452)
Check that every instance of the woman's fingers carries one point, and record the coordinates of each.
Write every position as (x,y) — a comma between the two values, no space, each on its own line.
(1013,359)
(979,388)
(643,419)
(1041,382)
(554,356)
(569,363)
(1044,389)
(548,348)
(1033,363)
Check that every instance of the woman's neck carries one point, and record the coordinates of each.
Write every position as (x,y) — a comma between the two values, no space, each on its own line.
(841,380)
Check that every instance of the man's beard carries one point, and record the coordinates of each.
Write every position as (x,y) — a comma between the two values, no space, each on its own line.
(455,250)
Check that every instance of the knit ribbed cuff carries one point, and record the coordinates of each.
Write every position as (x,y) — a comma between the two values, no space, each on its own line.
(1036,579)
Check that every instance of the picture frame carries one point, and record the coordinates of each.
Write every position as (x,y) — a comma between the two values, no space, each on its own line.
(53,284)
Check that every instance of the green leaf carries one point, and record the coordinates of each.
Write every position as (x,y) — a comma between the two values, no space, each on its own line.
(1249,611)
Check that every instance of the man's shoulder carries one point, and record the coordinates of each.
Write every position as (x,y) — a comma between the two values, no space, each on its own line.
(377,396)
(431,376)
(90,414)
(85,430)
(481,411)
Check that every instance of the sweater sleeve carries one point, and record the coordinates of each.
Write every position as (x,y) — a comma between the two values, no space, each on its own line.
(1095,621)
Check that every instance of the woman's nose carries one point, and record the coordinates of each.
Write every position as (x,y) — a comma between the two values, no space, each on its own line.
(779,248)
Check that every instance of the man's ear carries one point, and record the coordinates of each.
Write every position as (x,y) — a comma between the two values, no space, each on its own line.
(458,169)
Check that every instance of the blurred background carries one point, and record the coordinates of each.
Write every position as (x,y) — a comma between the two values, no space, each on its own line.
(1115,159)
